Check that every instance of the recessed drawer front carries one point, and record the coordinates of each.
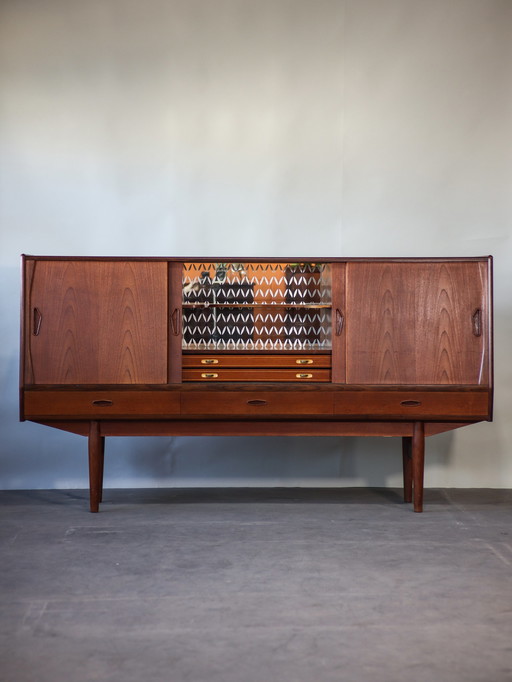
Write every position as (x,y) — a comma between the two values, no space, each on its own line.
(256,403)
(257,360)
(302,374)
(99,404)
(412,404)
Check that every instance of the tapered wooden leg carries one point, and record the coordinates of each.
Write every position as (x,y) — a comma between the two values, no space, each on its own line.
(102,465)
(96,456)
(407,463)
(418,464)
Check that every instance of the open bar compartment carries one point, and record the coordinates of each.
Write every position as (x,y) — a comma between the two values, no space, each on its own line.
(245,307)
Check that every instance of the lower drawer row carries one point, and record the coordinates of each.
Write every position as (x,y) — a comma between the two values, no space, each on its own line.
(256,367)
(304,375)
(118,404)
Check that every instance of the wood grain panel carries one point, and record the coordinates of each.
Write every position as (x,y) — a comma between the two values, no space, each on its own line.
(175,322)
(216,427)
(300,374)
(251,427)
(339,316)
(412,405)
(417,323)
(380,324)
(98,322)
(100,404)
(256,403)
(256,360)
(452,324)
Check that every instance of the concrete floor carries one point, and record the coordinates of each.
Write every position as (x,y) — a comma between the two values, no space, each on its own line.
(256,586)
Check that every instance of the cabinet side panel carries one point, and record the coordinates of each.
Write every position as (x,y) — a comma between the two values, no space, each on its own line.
(26,372)
(487,275)
(25,368)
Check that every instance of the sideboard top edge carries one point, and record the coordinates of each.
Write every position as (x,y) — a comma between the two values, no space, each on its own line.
(263,259)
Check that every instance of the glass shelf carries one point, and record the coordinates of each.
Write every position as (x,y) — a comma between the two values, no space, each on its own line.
(257,305)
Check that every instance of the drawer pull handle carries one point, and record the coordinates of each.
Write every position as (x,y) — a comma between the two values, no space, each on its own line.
(257,402)
(304,376)
(102,403)
(304,361)
(411,403)
(476,319)
(340,321)
(176,321)
(209,375)
(38,318)
(209,361)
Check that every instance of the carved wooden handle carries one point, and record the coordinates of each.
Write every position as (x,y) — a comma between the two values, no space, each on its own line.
(36,322)
(176,321)
(476,319)
(102,403)
(340,320)
(411,403)
(256,402)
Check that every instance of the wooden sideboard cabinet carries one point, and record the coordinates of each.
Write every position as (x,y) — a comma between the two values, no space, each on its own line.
(192,346)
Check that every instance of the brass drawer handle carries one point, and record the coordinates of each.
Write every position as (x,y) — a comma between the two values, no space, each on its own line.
(304,361)
(304,376)
(257,402)
(411,403)
(102,403)
(209,375)
(209,361)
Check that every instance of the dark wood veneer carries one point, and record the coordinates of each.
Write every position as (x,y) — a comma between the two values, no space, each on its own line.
(410,355)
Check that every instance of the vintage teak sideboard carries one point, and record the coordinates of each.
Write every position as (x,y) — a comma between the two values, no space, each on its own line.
(257,347)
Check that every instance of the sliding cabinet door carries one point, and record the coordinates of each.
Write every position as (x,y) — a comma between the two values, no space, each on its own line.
(418,322)
(96,322)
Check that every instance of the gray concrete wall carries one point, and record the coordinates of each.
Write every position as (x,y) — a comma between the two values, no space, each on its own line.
(269,128)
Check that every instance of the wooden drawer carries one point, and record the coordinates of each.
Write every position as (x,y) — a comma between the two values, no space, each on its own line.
(256,403)
(256,360)
(100,404)
(302,375)
(412,404)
